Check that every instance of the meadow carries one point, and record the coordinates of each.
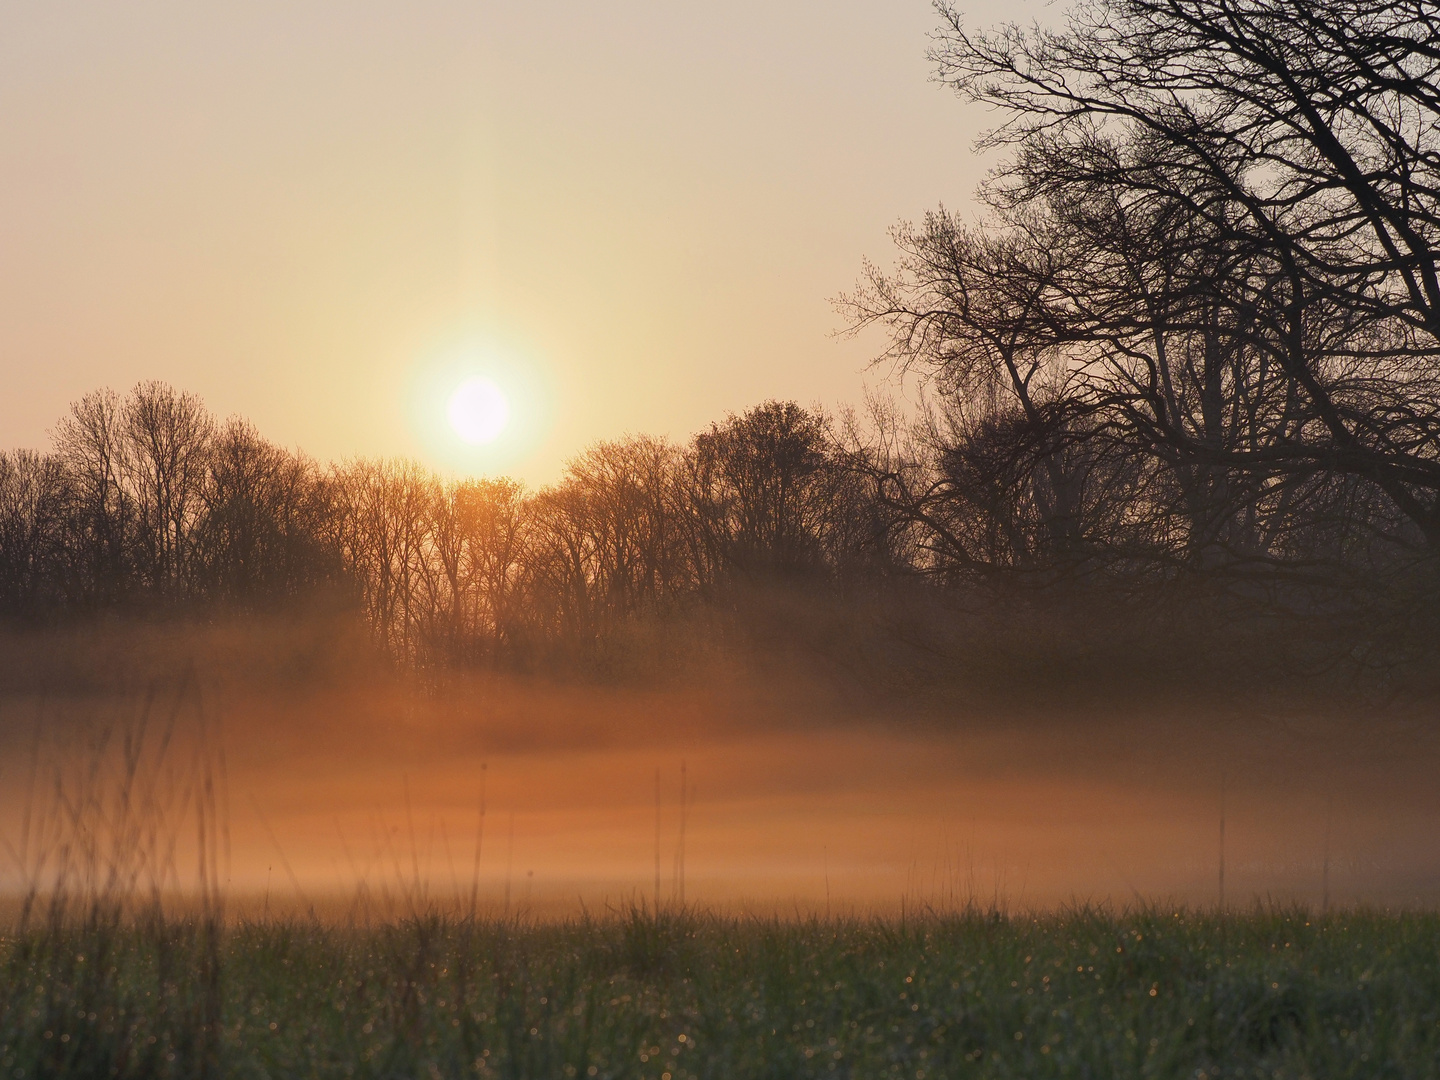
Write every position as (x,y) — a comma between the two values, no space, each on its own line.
(1086,992)
(129,949)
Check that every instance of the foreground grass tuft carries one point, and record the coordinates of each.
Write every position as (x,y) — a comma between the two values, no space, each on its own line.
(1087,993)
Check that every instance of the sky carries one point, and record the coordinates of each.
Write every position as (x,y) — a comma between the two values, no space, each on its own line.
(325,215)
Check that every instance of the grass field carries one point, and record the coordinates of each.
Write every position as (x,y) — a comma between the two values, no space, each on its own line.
(1088,993)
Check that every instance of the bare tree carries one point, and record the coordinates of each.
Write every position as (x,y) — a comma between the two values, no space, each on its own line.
(1296,142)
(630,513)
(166,441)
(381,511)
(89,445)
(494,526)
(761,487)
(263,534)
(31,530)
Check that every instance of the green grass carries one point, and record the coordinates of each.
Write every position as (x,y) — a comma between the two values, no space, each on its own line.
(1273,993)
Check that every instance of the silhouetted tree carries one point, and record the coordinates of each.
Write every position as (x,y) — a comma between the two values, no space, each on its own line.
(31,528)
(89,446)
(1262,176)
(1196,330)
(761,489)
(266,515)
(165,440)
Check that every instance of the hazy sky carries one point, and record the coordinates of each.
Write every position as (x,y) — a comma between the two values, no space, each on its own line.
(318,214)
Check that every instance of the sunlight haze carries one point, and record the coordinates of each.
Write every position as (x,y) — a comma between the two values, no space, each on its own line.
(295,210)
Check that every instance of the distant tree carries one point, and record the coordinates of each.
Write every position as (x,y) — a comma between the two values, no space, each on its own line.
(761,487)
(90,449)
(263,536)
(380,523)
(628,488)
(166,441)
(31,524)
(470,569)
(493,525)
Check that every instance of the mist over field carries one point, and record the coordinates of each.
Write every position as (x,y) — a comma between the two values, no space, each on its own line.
(856,671)
(345,782)
(1059,697)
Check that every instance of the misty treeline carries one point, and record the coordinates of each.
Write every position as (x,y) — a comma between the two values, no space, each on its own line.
(1183,368)
(147,501)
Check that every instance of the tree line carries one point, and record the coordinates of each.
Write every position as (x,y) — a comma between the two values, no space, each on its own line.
(146,501)
(1186,359)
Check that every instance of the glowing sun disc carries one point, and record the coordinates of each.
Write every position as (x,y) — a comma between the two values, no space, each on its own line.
(478,411)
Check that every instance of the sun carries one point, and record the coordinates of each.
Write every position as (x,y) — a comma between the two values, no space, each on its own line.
(478,411)
(477,408)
